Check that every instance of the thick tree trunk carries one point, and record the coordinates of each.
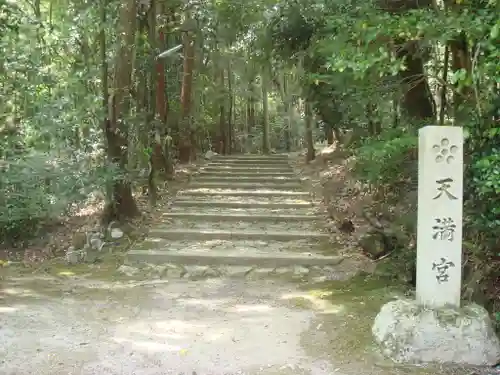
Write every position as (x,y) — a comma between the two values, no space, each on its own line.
(229,144)
(460,59)
(162,146)
(266,148)
(287,103)
(309,133)
(123,204)
(222,149)
(329,134)
(187,147)
(417,99)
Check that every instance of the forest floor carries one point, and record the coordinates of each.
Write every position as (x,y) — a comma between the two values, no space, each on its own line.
(57,319)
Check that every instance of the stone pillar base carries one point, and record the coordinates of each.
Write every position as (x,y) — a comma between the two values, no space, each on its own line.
(410,333)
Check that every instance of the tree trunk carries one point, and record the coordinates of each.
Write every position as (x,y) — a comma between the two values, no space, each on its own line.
(187,147)
(163,151)
(105,91)
(460,59)
(442,94)
(287,104)
(251,105)
(123,204)
(222,114)
(329,134)
(229,145)
(417,99)
(266,149)
(309,132)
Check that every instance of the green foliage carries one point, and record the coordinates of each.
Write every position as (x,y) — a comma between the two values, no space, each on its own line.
(355,56)
(388,159)
(38,188)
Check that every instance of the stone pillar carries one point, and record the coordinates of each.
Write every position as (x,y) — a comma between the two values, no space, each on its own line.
(434,327)
(439,233)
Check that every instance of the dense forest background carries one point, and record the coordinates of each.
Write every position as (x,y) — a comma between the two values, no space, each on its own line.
(90,104)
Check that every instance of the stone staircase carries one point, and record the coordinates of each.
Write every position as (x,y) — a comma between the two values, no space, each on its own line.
(240,216)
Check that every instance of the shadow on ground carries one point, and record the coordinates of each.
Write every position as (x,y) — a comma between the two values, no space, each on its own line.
(75,323)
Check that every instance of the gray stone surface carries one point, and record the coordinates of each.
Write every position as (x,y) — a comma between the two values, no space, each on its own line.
(218,214)
(223,222)
(407,332)
(232,192)
(238,178)
(293,186)
(253,199)
(201,234)
(245,174)
(243,223)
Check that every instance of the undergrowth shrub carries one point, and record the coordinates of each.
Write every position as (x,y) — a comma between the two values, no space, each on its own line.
(37,188)
(388,164)
(387,159)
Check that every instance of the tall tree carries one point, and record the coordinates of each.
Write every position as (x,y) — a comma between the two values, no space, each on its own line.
(123,204)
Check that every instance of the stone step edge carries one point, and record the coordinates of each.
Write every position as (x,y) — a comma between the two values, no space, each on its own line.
(315,274)
(246,174)
(241,217)
(243,186)
(276,161)
(235,192)
(236,234)
(226,204)
(215,258)
(250,166)
(243,168)
(255,178)
(252,156)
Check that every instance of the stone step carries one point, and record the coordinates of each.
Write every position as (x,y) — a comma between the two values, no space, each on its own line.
(253,157)
(243,193)
(293,186)
(256,178)
(272,261)
(246,224)
(245,174)
(242,168)
(229,214)
(263,162)
(257,253)
(194,234)
(241,204)
(251,164)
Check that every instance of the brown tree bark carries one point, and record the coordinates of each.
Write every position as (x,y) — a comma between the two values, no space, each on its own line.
(417,100)
(230,130)
(461,59)
(311,153)
(123,204)
(187,146)
(266,147)
(222,116)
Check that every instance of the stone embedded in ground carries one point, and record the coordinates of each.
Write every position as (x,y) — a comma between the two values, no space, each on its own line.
(439,231)
(73,256)
(210,155)
(408,332)
(128,270)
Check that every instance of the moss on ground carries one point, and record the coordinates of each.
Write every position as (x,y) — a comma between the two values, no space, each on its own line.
(348,318)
